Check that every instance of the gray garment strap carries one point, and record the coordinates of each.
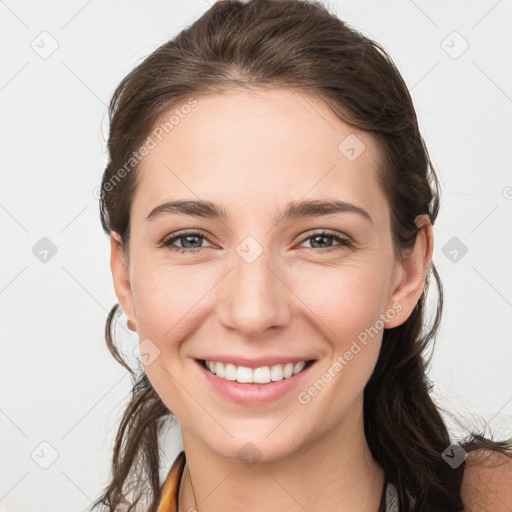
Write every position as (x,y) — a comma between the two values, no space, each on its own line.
(392,500)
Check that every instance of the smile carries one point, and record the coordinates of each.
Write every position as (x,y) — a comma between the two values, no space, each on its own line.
(261,375)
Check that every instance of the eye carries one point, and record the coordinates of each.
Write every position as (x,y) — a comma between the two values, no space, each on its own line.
(188,240)
(191,241)
(320,237)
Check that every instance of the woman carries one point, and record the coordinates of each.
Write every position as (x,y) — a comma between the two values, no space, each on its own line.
(270,202)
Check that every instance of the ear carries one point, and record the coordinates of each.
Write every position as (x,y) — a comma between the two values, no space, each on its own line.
(412,272)
(121,279)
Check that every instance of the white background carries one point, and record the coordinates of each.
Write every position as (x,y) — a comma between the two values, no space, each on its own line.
(58,383)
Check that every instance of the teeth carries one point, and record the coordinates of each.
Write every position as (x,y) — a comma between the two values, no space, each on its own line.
(229,371)
(288,370)
(298,367)
(262,375)
(244,374)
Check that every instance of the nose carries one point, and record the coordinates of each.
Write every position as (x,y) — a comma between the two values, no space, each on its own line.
(255,297)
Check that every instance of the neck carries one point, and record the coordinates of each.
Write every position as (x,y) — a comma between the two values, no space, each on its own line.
(335,472)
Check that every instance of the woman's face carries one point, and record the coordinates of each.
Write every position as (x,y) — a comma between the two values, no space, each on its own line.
(259,285)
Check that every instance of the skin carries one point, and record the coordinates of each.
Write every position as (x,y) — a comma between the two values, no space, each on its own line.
(252,153)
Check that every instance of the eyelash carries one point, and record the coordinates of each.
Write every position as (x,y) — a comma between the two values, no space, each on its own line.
(343,241)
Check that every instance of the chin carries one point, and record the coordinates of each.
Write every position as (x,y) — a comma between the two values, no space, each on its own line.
(255,445)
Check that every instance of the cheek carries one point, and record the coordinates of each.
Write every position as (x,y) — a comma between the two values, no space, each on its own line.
(167,299)
(340,301)
(348,305)
(345,305)
(345,300)
(169,305)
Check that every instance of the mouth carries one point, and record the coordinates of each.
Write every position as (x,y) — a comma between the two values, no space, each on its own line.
(262,375)
(254,386)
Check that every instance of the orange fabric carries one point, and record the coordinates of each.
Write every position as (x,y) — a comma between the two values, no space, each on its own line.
(171,486)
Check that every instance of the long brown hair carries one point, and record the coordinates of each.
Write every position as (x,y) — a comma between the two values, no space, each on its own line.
(300,45)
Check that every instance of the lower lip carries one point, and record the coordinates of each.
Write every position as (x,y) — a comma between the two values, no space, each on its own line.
(253,394)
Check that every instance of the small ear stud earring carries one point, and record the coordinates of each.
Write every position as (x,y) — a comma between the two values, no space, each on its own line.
(131,325)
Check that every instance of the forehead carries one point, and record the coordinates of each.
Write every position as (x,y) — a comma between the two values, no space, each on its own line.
(240,146)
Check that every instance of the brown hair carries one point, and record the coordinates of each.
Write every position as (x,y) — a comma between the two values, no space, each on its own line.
(300,45)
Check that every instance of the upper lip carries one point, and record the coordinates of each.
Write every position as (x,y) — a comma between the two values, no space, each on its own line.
(256,362)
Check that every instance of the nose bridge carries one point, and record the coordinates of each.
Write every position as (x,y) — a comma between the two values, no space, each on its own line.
(255,298)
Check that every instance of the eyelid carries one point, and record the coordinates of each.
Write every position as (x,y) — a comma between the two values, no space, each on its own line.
(342,239)
(186,232)
(327,232)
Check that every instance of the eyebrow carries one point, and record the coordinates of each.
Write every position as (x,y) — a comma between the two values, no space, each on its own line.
(293,210)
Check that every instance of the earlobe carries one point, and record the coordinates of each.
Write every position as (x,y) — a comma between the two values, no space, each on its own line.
(121,279)
(414,268)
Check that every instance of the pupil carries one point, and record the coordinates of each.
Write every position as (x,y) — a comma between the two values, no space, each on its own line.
(319,236)
(188,237)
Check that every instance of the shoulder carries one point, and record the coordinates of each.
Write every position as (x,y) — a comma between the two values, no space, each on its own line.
(487,482)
